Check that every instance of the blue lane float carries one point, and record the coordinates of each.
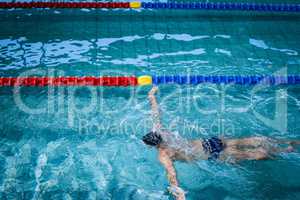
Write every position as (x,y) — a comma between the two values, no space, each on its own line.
(239,80)
(224,6)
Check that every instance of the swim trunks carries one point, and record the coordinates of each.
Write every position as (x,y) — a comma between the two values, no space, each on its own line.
(213,146)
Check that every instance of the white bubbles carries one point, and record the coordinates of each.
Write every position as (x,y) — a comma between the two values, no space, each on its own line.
(263,45)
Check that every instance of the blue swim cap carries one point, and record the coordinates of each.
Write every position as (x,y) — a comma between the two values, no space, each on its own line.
(152,138)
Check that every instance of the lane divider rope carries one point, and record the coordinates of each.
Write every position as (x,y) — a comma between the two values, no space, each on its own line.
(65,5)
(226,6)
(124,81)
(262,7)
(68,81)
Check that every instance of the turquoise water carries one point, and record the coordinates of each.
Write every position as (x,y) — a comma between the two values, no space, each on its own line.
(84,143)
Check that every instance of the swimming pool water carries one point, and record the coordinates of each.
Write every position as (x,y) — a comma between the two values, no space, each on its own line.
(84,143)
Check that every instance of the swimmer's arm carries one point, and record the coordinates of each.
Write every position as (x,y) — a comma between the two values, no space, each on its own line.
(154,108)
(171,174)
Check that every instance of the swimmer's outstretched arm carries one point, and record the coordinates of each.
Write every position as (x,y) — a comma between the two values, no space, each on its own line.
(154,107)
(166,161)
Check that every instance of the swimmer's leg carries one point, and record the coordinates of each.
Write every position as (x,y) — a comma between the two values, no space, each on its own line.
(253,142)
(292,144)
(232,153)
(257,148)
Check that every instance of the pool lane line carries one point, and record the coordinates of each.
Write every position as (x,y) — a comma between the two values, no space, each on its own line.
(110,5)
(228,6)
(124,81)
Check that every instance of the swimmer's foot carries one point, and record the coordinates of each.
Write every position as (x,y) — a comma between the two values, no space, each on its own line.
(294,143)
(290,149)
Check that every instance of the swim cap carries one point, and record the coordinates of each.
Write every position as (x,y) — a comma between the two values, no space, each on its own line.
(152,138)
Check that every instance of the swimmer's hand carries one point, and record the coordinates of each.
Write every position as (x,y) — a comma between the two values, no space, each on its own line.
(177,192)
(153,90)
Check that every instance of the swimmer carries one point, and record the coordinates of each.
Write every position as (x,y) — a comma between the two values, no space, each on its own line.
(171,147)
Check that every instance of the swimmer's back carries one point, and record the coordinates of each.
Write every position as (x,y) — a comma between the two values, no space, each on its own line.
(179,148)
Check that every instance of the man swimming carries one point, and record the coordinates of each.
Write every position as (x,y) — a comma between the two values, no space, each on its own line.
(171,147)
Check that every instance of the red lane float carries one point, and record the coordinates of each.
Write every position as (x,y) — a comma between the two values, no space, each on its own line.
(64,5)
(68,81)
